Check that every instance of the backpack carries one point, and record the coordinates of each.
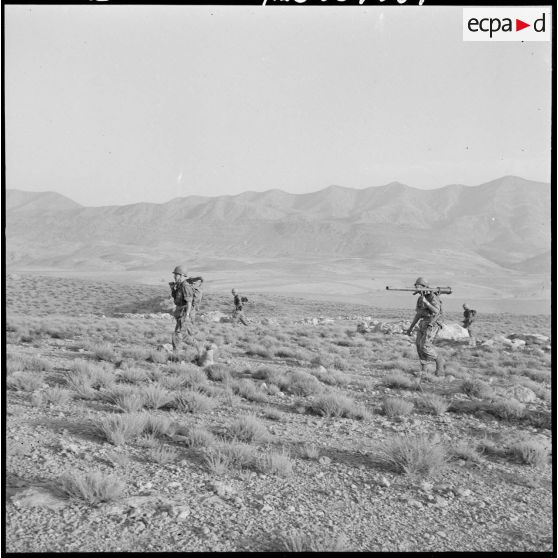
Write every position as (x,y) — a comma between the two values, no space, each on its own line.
(243,299)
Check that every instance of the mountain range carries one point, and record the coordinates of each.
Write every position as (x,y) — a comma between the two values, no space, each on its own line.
(505,222)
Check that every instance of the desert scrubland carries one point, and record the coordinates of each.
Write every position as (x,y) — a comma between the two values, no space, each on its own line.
(303,435)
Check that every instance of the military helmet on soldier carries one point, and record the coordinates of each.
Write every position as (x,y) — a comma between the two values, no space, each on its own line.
(465,307)
(421,281)
(180,270)
(233,291)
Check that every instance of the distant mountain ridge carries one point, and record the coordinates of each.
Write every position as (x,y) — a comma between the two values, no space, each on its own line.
(506,222)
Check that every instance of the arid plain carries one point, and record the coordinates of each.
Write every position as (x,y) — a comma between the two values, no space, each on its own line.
(307,432)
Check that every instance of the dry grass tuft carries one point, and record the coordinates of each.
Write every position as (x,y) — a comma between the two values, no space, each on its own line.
(93,488)
(419,455)
(248,429)
(395,407)
(335,404)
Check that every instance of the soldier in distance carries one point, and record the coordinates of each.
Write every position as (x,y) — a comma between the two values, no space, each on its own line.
(429,317)
(238,313)
(469,316)
(182,293)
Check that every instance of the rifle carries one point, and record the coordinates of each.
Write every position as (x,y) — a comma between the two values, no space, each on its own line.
(424,290)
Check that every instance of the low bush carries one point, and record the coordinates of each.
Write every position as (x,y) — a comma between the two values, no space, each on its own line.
(477,388)
(335,404)
(248,429)
(258,350)
(191,401)
(159,426)
(52,396)
(466,451)
(399,380)
(132,375)
(301,383)
(276,463)
(531,452)
(118,429)
(419,455)
(24,381)
(92,488)
(395,407)
(507,408)
(155,396)
(310,452)
(434,403)
(217,372)
(198,437)
(272,414)
(245,388)
(163,454)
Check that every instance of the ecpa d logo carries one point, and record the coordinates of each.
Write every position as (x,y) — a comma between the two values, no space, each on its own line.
(507,24)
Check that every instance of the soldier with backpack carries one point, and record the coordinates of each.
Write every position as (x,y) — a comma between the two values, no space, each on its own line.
(469,316)
(196,284)
(238,314)
(182,293)
(429,315)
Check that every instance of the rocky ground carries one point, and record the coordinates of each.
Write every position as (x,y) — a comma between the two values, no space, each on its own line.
(339,498)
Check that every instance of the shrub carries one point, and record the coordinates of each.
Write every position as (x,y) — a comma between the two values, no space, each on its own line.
(532,452)
(245,388)
(435,403)
(248,429)
(104,351)
(340,364)
(507,408)
(466,451)
(23,381)
(92,488)
(302,383)
(477,388)
(272,414)
(118,429)
(413,455)
(199,437)
(132,375)
(399,380)
(163,454)
(217,372)
(240,455)
(155,396)
(193,402)
(337,405)
(310,452)
(331,377)
(217,461)
(395,406)
(54,396)
(190,376)
(158,357)
(277,463)
(159,426)
(128,402)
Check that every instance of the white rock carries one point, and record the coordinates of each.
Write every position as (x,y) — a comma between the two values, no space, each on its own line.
(521,393)
(452,332)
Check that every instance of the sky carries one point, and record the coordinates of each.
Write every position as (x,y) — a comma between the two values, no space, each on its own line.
(112,104)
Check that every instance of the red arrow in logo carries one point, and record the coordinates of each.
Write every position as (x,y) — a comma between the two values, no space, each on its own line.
(519,25)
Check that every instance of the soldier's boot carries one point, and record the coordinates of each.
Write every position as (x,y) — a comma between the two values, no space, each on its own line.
(440,366)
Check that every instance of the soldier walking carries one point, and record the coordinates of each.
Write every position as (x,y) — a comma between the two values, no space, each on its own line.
(182,293)
(429,315)
(469,316)
(238,314)
(196,283)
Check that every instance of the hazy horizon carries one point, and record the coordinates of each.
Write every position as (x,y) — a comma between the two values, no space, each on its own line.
(115,105)
(264,191)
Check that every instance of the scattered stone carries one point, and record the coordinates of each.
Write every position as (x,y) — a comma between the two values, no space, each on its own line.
(453,332)
(384,482)
(324,460)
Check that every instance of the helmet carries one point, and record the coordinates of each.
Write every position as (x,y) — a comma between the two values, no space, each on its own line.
(233,291)
(465,307)
(179,269)
(421,281)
